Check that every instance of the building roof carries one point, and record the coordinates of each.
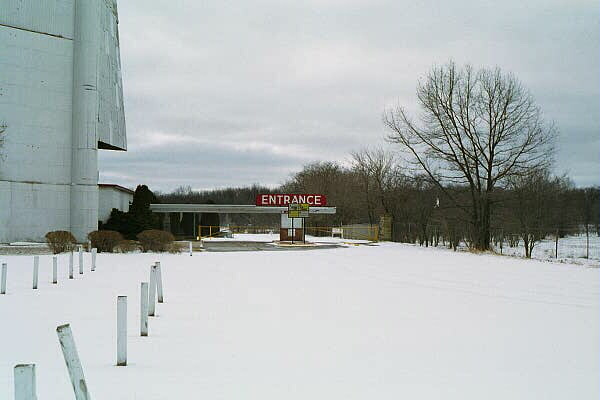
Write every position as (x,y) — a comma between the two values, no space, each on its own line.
(116,187)
(231,209)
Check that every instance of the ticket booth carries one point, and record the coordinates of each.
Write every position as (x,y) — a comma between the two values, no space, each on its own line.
(291,228)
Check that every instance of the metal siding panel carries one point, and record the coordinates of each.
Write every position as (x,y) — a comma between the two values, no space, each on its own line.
(111,114)
(35,104)
(53,17)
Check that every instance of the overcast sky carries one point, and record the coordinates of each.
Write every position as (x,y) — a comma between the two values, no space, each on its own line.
(221,93)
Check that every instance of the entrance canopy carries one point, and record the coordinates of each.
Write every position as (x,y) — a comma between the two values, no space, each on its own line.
(230,209)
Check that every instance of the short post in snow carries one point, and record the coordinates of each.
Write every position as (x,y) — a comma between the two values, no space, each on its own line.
(36,270)
(65,337)
(159,285)
(3,279)
(190,248)
(94,251)
(25,382)
(152,292)
(71,265)
(81,259)
(54,270)
(122,330)
(144,309)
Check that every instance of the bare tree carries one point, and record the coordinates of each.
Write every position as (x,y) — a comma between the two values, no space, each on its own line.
(477,128)
(376,169)
(531,200)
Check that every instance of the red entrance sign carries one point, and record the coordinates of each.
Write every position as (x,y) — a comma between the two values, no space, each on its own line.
(283,200)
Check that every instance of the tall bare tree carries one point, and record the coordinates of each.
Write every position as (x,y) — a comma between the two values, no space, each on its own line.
(376,169)
(476,128)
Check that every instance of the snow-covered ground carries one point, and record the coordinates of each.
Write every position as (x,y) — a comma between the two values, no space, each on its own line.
(361,322)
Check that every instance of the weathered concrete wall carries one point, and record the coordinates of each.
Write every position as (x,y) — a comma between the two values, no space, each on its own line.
(60,100)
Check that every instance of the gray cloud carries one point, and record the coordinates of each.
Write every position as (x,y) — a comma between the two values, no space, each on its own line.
(224,93)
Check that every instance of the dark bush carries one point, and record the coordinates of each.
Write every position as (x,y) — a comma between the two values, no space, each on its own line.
(60,241)
(155,240)
(138,218)
(105,241)
(127,246)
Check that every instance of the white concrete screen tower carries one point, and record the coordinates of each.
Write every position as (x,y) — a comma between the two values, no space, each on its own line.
(61,99)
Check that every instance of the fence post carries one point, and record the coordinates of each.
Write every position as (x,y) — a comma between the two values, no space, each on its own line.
(122,330)
(587,241)
(36,269)
(25,382)
(94,251)
(3,279)
(81,259)
(54,270)
(144,309)
(65,337)
(556,245)
(159,285)
(152,292)
(71,265)
(190,248)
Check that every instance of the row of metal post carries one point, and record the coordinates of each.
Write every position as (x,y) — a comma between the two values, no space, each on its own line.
(25,379)
(36,269)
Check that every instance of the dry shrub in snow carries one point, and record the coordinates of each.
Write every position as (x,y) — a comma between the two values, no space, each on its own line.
(105,241)
(127,246)
(60,241)
(155,240)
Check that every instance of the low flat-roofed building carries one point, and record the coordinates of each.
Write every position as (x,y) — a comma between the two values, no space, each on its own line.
(112,196)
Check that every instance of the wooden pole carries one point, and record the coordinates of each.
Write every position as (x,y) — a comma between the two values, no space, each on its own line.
(152,292)
(556,245)
(36,270)
(81,259)
(54,270)
(122,330)
(3,279)
(94,252)
(587,241)
(159,283)
(65,337)
(144,309)
(25,382)
(71,265)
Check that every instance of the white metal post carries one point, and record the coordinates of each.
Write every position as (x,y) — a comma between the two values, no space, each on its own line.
(81,259)
(159,283)
(25,382)
(152,292)
(71,265)
(3,279)
(54,270)
(36,270)
(190,248)
(94,251)
(144,309)
(65,337)
(122,330)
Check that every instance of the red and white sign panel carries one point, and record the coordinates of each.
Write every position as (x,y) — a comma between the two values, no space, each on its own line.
(283,200)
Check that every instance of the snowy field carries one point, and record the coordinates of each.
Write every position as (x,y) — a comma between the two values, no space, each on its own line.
(363,322)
